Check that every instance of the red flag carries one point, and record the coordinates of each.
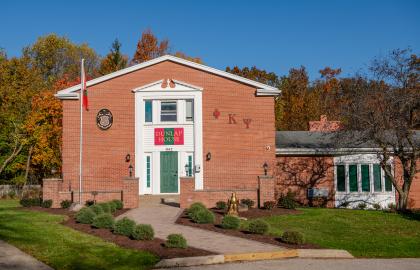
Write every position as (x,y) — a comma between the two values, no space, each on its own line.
(84,89)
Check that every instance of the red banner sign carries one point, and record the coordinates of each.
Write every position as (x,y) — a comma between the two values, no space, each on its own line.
(169,136)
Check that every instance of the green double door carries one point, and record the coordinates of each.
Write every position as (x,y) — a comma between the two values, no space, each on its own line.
(168,172)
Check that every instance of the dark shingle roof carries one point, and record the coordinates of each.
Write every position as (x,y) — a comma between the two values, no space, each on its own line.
(323,140)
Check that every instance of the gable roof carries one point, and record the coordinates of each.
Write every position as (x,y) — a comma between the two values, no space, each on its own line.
(262,89)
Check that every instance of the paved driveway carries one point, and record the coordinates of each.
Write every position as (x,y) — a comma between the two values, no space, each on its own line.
(317,264)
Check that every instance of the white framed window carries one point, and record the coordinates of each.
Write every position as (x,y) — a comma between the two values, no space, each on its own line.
(168,111)
(189,110)
(148,111)
(361,178)
(148,167)
(189,166)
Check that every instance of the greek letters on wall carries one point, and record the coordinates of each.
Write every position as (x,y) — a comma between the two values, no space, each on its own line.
(232,118)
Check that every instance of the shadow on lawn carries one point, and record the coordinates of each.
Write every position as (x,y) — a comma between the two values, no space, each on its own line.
(410,215)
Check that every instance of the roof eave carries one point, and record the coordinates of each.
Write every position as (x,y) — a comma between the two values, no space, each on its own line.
(262,89)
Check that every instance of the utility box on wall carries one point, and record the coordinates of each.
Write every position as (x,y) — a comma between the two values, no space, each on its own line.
(317,193)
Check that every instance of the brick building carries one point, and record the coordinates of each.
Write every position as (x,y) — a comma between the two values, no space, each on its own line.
(171,126)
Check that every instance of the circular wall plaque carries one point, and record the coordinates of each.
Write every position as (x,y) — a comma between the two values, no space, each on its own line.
(104,119)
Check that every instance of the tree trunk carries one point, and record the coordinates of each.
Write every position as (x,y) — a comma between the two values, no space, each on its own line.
(15,152)
(28,164)
(402,202)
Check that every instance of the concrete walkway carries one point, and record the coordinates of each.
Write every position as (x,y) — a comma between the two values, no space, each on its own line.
(12,258)
(162,218)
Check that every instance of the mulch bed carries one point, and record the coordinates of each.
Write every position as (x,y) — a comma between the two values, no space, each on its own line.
(155,246)
(250,214)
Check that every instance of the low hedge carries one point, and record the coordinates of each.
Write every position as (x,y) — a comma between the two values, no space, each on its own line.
(230,222)
(47,204)
(176,241)
(258,226)
(105,221)
(203,216)
(293,237)
(85,216)
(197,206)
(65,204)
(28,202)
(124,226)
(118,204)
(97,209)
(143,232)
(105,207)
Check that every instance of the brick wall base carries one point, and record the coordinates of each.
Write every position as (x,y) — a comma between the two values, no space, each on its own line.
(128,192)
(209,197)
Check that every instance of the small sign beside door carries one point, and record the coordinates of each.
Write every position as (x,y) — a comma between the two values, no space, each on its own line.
(169,136)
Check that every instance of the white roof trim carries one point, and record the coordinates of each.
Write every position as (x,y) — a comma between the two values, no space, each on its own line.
(325,151)
(157,86)
(263,89)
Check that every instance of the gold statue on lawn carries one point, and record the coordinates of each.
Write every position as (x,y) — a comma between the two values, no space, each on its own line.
(233,205)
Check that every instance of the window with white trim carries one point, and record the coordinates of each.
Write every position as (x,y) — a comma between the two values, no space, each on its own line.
(168,111)
(189,110)
(148,170)
(190,165)
(362,178)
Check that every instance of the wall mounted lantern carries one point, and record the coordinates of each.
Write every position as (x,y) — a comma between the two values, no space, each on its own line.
(130,170)
(208,156)
(265,166)
(127,158)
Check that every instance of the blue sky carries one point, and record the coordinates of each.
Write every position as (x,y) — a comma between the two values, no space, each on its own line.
(273,35)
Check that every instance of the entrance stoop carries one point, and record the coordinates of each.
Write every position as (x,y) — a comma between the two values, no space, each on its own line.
(156,200)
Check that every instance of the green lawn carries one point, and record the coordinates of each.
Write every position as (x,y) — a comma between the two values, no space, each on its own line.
(363,233)
(41,235)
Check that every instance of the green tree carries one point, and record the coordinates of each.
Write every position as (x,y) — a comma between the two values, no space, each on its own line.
(56,56)
(114,60)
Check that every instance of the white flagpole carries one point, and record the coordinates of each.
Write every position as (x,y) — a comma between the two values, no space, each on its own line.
(82,84)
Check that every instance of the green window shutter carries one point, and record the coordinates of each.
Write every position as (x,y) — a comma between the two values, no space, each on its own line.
(148,171)
(353,178)
(341,178)
(377,183)
(388,182)
(365,178)
(148,113)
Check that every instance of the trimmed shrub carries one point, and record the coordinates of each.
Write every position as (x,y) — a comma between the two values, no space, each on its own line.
(65,204)
(176,241)
(221,205)
(118,204)
(196,207)
(203,216)
(269,205)
(288,201)
(293,237)
(112,207)
(97,209)
(230,222)
(377,206)
(11,194)
(105,207)
(258,226)
(124,226)
(362,206)
(105,221)
(89,202)
(248,202)
(85,216)
(143,232)
(47,204)
(28,202)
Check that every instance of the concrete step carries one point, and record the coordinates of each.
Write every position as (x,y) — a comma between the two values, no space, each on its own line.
(153,200)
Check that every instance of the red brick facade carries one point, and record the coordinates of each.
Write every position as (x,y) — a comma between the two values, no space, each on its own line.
(240,140)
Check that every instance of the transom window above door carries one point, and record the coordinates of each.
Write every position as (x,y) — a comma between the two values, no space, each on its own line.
(168,111)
